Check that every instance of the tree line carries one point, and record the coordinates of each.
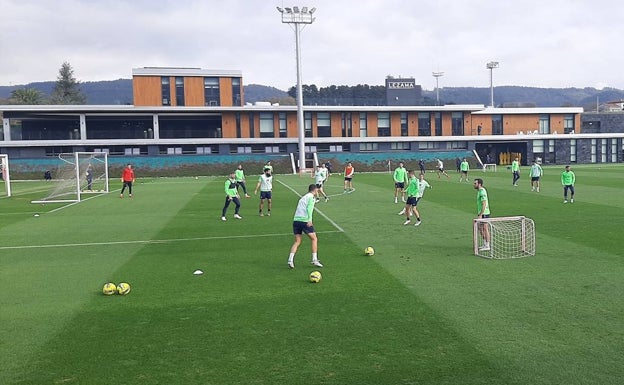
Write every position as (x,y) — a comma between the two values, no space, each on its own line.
(66,90)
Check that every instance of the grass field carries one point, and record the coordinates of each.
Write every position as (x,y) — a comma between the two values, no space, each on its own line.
(423,310)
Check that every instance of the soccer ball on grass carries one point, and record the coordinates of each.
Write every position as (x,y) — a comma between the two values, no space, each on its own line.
(369,251)
(315,276)
(109,288)
(123,288)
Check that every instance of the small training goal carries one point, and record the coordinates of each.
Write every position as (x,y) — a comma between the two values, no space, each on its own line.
(77,174)
(504,237)
(5,175)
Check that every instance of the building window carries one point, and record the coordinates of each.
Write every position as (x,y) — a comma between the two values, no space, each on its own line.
(573,150)
(427,145)
(383,124)
(594,146)
(211,92)
(346,125)
(538,147)
(424,124)
(165,90)
(403,123)
(283,133)
(568,124)
(368,147)
(252,125)
(203,150)
(401,146)
(603,150)
(236,92)
(457,123)
(497,125)
(544,124)
(307,118)
(456,145)
(239,132)
(266,125)
(179,86)
(323,125)
(363,125)
(438,124)
(613,150)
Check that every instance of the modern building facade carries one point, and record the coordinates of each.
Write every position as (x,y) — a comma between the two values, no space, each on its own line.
(182,111)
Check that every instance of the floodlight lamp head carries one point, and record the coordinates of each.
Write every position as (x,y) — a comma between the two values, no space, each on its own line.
(491,65)
(281,10)
(312,10)
(304,10)
(288,10)
(296,9)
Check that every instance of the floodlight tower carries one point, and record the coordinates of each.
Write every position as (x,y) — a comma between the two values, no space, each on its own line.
(437,76)
(491,65)
(298,18)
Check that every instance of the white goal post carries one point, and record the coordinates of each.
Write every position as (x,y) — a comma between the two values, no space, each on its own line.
(77,174)
(6,173)
(504,237)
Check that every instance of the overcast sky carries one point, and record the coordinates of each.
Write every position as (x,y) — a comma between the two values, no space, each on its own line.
(541,43)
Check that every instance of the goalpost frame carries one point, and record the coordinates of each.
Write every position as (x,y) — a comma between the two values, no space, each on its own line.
(76,163)
(527,229)
(6,173)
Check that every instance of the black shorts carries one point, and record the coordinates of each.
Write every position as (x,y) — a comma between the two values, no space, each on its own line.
(302,227)
(535,179)
(412,201)
(464,172)
(265,194)
(319,185)
(348,178)
(399,185)
(441,169)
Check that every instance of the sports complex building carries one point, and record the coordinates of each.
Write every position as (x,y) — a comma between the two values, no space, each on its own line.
(190,115)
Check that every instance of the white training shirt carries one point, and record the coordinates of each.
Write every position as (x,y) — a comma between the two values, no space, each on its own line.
(422,185)
(320,176)
(266,182)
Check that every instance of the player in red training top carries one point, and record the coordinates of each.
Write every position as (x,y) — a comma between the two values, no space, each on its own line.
(127,178)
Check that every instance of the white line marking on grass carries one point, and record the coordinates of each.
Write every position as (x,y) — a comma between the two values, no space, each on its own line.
(315,208)
(150,241)
(74,203)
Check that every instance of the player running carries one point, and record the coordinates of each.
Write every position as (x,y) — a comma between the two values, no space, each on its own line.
(302,223)
(348,178)
(265,184)
(440,170)
(320,176)
(400,178)
(536,173)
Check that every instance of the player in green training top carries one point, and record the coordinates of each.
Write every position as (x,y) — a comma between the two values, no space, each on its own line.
(567,180)
(535,173)
(464,167)
(400,178)
(515,170)
(302,223)
(231,195)
(240,179)
(483,211)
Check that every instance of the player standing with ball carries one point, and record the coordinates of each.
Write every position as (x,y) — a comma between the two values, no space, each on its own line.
(302,223)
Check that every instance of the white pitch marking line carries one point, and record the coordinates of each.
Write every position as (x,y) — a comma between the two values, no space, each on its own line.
(150,241)
(315,208)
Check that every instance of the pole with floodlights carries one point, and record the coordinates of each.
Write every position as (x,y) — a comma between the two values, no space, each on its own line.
(491,65)
(298,18)
(437,75)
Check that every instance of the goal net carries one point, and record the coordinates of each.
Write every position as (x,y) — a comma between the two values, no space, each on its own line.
(504,237)
(5,176)
(76,175)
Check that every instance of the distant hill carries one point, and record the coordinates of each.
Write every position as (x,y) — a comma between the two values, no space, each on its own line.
(117,92)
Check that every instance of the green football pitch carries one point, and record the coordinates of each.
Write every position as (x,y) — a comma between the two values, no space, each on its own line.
(422,310)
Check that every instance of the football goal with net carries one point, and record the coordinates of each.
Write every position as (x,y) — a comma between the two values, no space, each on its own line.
(77,174)
(504,237)
(5,175)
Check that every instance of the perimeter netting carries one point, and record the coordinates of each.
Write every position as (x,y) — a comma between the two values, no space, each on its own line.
(5,176)
(504,237)
(77,174)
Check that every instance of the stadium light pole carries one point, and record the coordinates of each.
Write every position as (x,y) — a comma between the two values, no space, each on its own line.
(491,65)
(298,18)
(437,76)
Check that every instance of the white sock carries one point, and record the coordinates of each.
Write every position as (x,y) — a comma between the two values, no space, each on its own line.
(314,257)
(291,257)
